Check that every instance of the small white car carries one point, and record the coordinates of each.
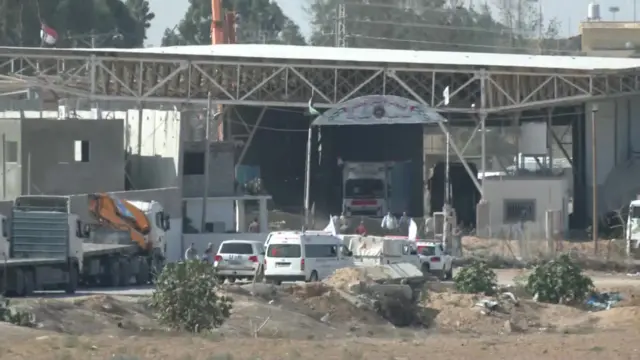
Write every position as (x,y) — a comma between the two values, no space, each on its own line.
(238,259)
(435,260)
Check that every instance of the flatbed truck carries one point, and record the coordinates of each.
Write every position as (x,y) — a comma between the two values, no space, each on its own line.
(49,248)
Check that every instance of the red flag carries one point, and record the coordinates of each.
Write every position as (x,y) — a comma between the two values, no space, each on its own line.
(48,35)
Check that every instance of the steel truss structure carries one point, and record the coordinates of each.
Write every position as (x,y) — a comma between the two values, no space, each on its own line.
(147,78)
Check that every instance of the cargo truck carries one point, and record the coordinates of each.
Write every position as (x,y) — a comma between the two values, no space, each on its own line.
(49,247)
(45,250)
(375,188)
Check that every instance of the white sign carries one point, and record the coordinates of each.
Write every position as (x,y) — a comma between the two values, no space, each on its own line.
(379,109)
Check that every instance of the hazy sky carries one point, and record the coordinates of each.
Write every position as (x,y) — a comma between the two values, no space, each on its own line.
(568,12)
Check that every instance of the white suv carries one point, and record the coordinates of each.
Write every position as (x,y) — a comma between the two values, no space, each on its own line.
(238,259)
(435,260)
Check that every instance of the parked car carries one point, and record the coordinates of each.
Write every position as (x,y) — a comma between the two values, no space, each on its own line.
(435,260)
(238,259)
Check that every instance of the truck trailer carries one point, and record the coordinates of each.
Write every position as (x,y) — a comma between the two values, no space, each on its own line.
(44,250)
(47,247)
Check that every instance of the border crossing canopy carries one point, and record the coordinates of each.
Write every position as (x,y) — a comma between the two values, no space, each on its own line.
(379,110)
(368,110)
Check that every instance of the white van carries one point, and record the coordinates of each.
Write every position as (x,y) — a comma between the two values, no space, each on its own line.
(300,256)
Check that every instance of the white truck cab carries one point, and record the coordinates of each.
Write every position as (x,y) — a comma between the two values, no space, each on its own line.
(633,227)
(365,186)
(435,260)
(4,238)
(300,256)
(159,221)
(77,235)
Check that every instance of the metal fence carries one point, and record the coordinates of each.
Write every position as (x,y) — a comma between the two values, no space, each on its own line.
(530,241)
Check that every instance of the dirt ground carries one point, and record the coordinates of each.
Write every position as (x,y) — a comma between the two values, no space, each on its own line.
(312,321)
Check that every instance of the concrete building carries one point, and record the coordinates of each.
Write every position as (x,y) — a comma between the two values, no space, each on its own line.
(610,38)
(59,157)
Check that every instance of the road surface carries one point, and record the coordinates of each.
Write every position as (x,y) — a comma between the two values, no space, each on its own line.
(505,277)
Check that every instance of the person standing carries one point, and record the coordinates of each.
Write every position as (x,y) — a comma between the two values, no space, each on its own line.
(208,254)
(361,230)
(254,227)
(191,253)
(389,223)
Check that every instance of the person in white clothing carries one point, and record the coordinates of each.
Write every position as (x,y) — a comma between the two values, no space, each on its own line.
(389,223)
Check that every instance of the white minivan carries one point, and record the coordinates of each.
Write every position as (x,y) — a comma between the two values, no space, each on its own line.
(300,256)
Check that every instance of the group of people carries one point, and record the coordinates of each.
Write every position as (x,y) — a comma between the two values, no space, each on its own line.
(192,253)
(390,224)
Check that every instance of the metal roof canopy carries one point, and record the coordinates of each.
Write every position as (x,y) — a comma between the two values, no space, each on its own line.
(286,76)
(379,110)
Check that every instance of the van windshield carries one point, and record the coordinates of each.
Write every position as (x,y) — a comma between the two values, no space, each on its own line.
(284,251)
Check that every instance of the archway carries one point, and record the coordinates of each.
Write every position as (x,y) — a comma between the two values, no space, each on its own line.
(372,110)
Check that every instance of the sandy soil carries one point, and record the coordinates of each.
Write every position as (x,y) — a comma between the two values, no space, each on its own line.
(312,321)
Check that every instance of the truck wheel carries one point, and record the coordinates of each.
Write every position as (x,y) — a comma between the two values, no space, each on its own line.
(29,284)
(125,273)
(19,284)
(449,273)
(114,273)
(142,277)
(72,281)
(425,269)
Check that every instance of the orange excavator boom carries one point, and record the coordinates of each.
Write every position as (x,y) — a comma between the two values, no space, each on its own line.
(120,215)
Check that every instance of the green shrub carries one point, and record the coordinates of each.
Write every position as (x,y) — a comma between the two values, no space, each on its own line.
(185,297)
(15,317)
(559,281)
(476,278)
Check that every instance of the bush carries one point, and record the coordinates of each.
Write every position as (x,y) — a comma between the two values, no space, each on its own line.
(476,278)
(15,317)
(185,297)
(559,281)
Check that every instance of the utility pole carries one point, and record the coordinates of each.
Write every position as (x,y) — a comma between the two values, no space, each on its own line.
(207,151)
(341,26)
(594,181)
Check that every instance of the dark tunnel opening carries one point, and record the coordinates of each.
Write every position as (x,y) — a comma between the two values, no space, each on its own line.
(279,149)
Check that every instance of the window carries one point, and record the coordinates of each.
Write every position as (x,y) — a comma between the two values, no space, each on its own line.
(427,250)
(12,151)
(81,151)
(236,248)
(193,163)
(321,251)
(364,188)
(634,212)
(519,210)
(284,251)
(160,220)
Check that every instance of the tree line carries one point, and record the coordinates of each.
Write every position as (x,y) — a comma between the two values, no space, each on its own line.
(516,26)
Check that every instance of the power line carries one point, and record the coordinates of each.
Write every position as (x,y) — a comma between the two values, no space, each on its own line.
(451,44)
(528,117)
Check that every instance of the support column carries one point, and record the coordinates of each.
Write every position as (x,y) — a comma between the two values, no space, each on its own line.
(483,127)
(241,214)
(263,216)
(483,150)
(550,136)
(516,126)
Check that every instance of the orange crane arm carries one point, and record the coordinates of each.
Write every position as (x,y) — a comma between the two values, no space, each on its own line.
(120,215)
(217,23)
